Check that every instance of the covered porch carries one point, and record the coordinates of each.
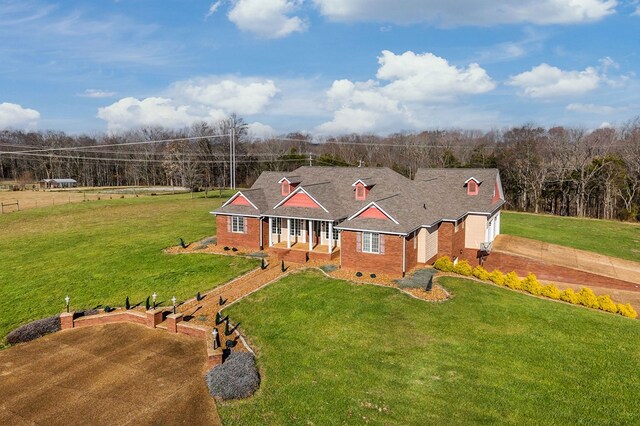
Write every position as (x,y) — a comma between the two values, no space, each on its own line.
(305,235)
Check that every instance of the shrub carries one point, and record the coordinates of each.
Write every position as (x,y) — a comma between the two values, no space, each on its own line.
(531,285)
(358,274)
(236,378)
(587,298)
(569,295)
(551,291)
(606,304)
(463,268)
(512,281)
(497,277)
(480,273)
(627,310)
(443,264)
(34,330)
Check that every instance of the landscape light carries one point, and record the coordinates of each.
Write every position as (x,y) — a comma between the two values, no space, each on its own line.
(173,299)
(153,296)
(215,338)
(67,300)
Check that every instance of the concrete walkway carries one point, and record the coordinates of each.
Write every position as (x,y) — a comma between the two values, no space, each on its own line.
(582,260)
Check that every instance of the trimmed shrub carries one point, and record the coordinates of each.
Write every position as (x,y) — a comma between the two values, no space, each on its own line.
(236,378)
(34,330)
(463,268)
(512,281)
(551,291)
(480,273)
(606,304)
(587,298)
(496,277)
(569,295)
(443,264)
(531,284)
(627,310)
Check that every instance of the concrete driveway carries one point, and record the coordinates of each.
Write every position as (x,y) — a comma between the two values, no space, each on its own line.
(118,374)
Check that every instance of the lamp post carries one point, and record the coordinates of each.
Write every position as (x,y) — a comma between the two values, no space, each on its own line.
(216,342)
(67,300)
(173,299)
(153,296)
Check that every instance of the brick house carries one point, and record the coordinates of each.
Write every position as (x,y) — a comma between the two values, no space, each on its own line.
(372,219)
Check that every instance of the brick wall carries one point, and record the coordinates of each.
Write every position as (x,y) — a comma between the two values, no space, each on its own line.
(249,240)
(388,263)
(411,253)
(450,242)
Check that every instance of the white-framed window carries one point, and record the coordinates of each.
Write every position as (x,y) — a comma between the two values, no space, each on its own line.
(237,224)
(326,231)
(276,225)
(335,234)
(296,227)
(370,242)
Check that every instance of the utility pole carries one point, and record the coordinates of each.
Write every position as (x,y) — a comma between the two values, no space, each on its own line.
(310,160)
(232,159)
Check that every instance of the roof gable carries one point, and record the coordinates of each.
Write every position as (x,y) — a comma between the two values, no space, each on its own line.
(239,199)
(300,198)
(372,211)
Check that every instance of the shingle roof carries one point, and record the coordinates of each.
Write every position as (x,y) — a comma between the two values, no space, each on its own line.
(434,195)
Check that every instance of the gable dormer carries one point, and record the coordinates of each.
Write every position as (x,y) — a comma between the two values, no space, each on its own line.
(361,189)
(473,186)
(288,184)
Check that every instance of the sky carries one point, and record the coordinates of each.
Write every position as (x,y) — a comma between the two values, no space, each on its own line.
(326,67)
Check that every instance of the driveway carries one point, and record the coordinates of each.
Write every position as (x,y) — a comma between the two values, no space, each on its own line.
(119,374)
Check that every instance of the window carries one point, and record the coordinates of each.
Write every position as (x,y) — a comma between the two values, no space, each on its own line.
(472,188)
(286,188)
(237,224)
(360,192)
(335,234)
(295,229)
(370,242)
(334,231)
(276,226)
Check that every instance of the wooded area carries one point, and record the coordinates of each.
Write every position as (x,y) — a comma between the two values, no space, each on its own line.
(563,171)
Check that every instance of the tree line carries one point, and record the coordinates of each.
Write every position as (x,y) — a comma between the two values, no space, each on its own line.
(559,170)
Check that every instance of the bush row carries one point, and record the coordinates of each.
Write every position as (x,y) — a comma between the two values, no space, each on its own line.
(530,284)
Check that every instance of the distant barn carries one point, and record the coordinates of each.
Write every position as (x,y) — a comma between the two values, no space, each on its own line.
(58,183)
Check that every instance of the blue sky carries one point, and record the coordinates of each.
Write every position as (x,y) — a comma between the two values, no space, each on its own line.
(320,66)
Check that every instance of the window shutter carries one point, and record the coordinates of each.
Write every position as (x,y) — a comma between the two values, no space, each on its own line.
(244,225)
(358,242)
(381,242)
(228,223)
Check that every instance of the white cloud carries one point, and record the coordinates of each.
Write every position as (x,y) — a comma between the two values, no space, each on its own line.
(468,12)
(16,117)
(243,96)
(593,109)
(267,18)
(96,93)
(545,81)
(418,86)
(260,130)
(213,8)
(185,102)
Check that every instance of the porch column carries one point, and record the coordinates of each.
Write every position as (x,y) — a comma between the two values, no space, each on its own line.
(330,237)
(270,231)
(288,233)
(310,222)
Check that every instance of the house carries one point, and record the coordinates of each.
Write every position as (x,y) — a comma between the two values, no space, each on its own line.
(58,183)
(373,220)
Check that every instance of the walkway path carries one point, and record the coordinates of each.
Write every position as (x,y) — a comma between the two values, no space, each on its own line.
(620,269)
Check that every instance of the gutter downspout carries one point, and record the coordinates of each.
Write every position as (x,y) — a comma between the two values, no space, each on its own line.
(404,250)
(261,242)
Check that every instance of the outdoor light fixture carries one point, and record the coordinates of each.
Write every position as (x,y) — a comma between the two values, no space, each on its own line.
(215,338)
(153,296)
(67,300)
(173,299)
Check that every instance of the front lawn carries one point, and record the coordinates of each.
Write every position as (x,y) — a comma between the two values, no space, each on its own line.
(335,353)
(611,238)
(99,252)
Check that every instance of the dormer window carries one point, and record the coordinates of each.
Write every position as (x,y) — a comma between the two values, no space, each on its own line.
(473,186)
(361,193)
(286,188)
(288,184)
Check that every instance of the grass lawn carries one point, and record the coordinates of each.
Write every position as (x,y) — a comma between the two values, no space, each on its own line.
(606,237)
(334,353)
(99,252)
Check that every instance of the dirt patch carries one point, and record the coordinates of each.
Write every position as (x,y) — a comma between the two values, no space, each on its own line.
(110,374)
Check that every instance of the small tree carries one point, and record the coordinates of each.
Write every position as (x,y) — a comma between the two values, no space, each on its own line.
(127,305)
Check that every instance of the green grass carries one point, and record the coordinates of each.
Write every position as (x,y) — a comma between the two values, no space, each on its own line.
(617,239)
(100,252)
(335,353)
